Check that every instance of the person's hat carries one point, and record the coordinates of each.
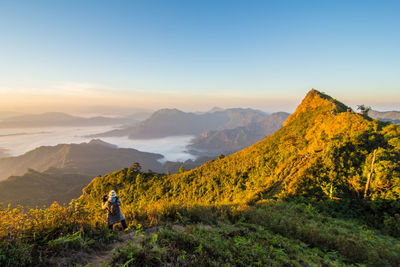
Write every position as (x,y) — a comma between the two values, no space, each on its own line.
(112,194)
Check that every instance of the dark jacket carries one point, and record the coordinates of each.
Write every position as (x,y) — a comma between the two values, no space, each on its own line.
(114,217)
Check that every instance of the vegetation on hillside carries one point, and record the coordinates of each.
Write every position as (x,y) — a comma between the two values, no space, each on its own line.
(272,233)
(34,237)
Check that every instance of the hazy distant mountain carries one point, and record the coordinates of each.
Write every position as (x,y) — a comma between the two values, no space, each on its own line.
(215,109)
(9,114)
(389,116)
(173,122)
(3,152)
(93,158)
(140,116)
(42,188)
(50,119)
(228,141)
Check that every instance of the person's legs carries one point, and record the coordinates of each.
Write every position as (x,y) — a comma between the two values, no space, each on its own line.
(110,226)
(123,222)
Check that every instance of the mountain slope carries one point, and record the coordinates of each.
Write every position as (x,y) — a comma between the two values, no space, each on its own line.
(93,158)
(322,151)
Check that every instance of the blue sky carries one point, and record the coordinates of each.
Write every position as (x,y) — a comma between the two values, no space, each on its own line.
(197,54)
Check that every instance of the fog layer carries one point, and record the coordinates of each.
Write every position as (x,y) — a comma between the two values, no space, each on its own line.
(18,141)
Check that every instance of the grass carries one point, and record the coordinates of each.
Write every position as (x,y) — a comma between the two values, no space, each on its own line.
(268,234)
(33,237)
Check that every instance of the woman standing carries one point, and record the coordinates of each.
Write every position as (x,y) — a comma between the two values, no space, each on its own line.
(112,204)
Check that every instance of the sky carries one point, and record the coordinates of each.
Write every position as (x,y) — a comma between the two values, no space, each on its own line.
(80,56)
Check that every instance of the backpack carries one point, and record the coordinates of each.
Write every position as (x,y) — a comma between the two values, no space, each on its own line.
(114,209)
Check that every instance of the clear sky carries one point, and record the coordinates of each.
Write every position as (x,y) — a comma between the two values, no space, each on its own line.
(193,55)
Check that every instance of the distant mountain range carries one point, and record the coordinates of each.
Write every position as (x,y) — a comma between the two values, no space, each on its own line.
(217,132)
(228,141)
(51,119)
(173,122)
(388,116)
(215,109)
(93,158)
(8,114)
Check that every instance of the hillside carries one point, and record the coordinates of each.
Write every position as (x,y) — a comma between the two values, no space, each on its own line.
(42,188)
(93,158)
(228,141)
(173,122)
(52,119)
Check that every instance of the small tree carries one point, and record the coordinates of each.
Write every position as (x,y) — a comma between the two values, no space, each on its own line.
(181,169)
(364,109)
(136,167)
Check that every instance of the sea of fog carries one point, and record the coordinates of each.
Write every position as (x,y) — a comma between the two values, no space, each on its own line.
(16,142)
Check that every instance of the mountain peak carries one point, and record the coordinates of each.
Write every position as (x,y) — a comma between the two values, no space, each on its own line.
(314,99)
(99,142)
(317,100)
(166,112)
(215,109)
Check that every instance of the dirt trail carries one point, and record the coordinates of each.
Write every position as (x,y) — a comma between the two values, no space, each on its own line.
(97,259)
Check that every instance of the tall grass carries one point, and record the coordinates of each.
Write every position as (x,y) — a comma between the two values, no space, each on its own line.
(31,237)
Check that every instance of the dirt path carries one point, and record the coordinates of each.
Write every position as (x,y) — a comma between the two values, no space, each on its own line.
(97,259)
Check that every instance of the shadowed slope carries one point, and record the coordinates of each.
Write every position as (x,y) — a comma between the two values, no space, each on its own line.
(42,188)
